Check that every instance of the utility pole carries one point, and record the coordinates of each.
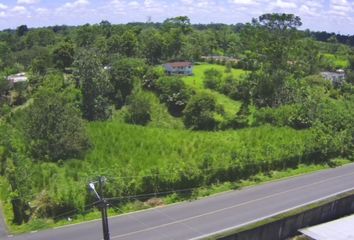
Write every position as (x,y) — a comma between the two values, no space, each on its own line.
(102,204)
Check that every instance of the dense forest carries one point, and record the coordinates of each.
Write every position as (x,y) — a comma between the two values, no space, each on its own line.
(98,102)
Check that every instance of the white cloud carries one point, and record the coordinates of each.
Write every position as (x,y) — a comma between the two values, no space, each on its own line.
(187,2)
(115,5)
(306,10)
(42,11)
(285,4)
(134,4)
(341,8)
(154,6)
(76,4)
(27,1)
(244,2)
(314,4)
(3,6)
(19,10)
(2,14)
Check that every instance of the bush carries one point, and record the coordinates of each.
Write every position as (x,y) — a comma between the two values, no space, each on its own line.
(53,128)
(123,75)
(295,116)
(212,79)
(201,112)
(173,92)
(138,109)
(150,77)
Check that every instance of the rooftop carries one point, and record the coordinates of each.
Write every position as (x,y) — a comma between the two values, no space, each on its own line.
(341,229)
(179,64)
(19,77)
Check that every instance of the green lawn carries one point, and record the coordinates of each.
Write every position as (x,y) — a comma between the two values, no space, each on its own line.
(196,82)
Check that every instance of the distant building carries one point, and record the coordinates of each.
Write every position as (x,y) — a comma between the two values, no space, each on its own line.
(337,78)
(17,78)
(220,59)
(179,68)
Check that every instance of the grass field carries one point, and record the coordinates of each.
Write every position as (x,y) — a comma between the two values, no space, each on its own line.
(196,81)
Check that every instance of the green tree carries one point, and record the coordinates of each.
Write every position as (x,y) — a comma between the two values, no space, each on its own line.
(306,58)
(39,66)
(128,43)
(85,35)
(212,79)
(94,84)
(106,28)
(17,168)
(350,71)
(182,22)
(200,112)
(5,55)
(273,39)
(21,30)
(138,109)
(125,44)
(174,93)
(152,44)
(53,127)
(4,87)
(123,74)
(63,55)
(40,37)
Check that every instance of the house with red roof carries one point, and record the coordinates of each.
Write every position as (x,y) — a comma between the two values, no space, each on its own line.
(179,68)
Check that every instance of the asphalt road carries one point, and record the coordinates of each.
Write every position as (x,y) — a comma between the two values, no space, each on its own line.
(202,218)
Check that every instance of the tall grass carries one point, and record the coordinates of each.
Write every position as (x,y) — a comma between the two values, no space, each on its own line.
(140,160)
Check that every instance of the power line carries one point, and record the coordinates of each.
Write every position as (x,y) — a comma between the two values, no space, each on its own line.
(154,194)
(135,219)
(76,211)
(169,174)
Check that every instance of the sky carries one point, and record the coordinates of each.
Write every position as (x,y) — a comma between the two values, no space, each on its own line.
(321,15)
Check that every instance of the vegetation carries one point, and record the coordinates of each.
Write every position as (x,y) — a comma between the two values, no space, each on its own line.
(97,102)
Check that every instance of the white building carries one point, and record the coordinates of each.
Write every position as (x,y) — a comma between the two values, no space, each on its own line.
(337,78)
(17,78)
(184,68)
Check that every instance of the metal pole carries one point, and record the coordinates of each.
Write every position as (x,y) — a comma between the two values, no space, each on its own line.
(103,207)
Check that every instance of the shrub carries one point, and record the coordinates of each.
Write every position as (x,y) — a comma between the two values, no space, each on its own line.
(201,112)
(138,109)
(295,116)
(173,92)
(150,77)
(212,79)
(53,128)
(123,75)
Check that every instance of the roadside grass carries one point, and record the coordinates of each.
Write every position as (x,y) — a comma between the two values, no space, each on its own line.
(174,198)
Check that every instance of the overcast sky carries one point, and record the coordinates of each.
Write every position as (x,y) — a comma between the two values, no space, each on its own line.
(329,15)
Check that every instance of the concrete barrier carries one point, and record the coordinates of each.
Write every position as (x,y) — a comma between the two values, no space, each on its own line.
(287,224)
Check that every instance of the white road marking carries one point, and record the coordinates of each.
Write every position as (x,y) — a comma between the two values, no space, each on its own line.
(269,216)
(242,204)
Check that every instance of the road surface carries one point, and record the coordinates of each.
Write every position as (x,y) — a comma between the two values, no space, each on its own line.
(205,217)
